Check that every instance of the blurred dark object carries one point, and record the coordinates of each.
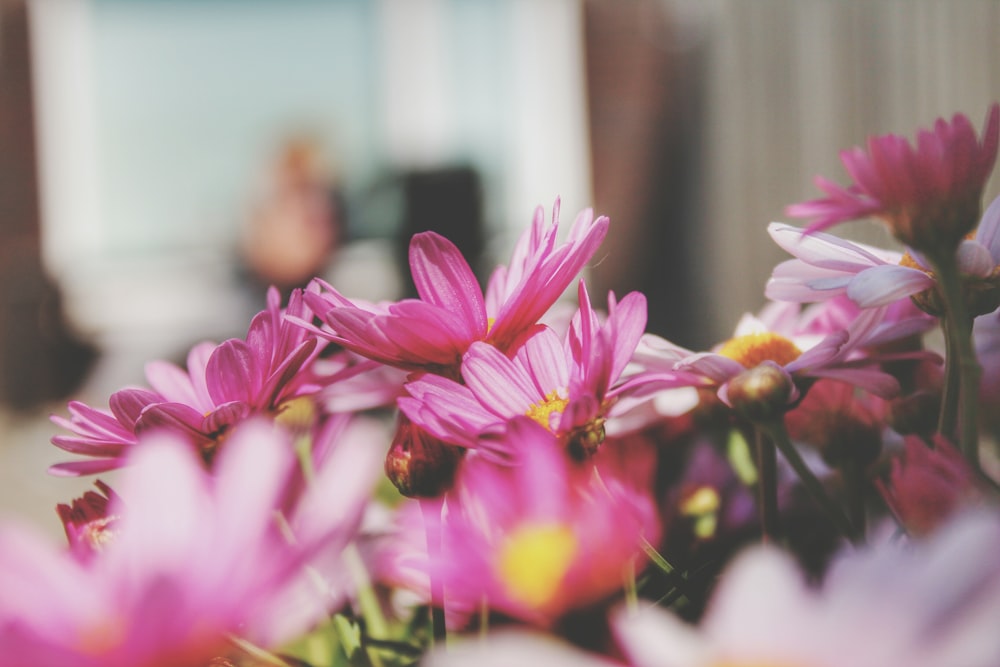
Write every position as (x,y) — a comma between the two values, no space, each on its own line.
(447,200)
(41,358)
(645,107)
(298,223)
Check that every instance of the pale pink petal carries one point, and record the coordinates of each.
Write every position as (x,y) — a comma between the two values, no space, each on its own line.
(881,285)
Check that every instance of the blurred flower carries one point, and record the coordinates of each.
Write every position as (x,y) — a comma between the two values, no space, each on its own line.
(927,485)
(930,604)
(826,266)
(928,193)
(222,385)
(433,332)
(88,523)
(194,559)
(534,539)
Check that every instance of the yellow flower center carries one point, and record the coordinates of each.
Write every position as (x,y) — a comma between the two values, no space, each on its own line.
(100,532)
(533,561)
(542,411)
(752,349)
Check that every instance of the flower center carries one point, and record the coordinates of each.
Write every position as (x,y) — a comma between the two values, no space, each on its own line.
(752,349)
(533,561)
(542,411)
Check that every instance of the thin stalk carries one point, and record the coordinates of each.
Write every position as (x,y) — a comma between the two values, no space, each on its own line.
(432,526)
(779,436)
(767,485)
(854,483)
(948,417)
(959,343)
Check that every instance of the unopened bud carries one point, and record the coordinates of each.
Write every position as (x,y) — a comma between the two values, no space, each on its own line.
(418,464)
(761,393)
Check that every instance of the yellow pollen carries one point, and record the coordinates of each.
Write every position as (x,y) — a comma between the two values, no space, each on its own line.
(99,532)
(542,411)
(752,349)
(703,501)
(534,560)
(910,263)
(297,414)
(490,321)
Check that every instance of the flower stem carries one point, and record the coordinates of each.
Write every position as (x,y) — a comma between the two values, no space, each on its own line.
(779,436)
(767,485)
(432,527)
(958,332)
(948,417)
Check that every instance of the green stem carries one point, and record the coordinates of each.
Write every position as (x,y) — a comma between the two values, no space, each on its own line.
(853,473)
(767,485)
(959,342)
(432,526)
(948,417)
(779,436)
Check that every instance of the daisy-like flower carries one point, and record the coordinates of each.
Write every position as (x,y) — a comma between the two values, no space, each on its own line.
(796,348)
(222,385)
(930,604)
(827,266)
(534,539)
(569,387)
(193,560)
(929,193)
(433,332)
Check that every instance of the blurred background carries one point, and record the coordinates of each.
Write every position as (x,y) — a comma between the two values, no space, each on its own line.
(162,161)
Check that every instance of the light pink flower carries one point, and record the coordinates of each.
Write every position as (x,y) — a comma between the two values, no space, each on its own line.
(221,386)
(826,266)
(193,559)
(534,539)
(433,332)
(802,345)
(926,192)
(928,604)
(569,387)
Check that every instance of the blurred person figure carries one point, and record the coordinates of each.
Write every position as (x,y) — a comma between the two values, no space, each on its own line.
(297,223)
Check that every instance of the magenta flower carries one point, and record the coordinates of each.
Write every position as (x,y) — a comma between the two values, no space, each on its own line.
(927,486)
(194,559)
(569,387)
(222,385)
(534,539)
(928,193)
(826,266)
(433,332)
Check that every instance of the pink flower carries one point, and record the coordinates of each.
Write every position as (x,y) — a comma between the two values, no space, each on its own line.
(433,332)
(826,266)
(534,539)
(568,386)
(194,559)
(926,486)
(929,604)
(800,346)
(222,385)
(928,193)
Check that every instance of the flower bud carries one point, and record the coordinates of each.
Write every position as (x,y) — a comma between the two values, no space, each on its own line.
(88,525)
(418,464)
(761,393)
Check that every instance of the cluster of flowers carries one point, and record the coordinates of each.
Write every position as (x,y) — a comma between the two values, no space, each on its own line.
(566,487)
